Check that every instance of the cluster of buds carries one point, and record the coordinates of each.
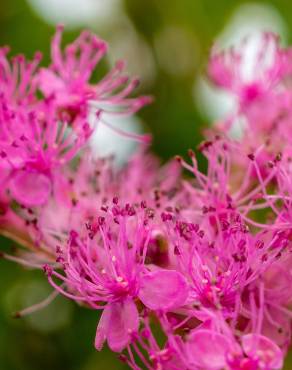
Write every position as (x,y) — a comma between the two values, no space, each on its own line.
(190,269)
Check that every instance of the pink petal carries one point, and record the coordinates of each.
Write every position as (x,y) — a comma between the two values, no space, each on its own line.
(30,188)
(117,322)
(102,328)
(259,346)
(49,82)
(271,331)
(163,290)
(208,349)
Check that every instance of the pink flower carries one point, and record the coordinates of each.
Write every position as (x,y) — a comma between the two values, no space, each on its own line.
(92,183)
(34,146)
(236,180)
(67,80)
(38,136)
(257,74)
(206,259)
(229,70)
(107,271)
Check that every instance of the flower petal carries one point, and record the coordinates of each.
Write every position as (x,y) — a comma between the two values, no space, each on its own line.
(49,82)
(30,188)
(259,346)
(163,290)
(208,349)
(102,328)
(123,320)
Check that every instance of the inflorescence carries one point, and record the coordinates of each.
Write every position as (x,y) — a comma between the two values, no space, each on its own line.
(189,269)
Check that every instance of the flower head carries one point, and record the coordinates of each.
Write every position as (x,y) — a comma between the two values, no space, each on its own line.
(67,80)
(107,271)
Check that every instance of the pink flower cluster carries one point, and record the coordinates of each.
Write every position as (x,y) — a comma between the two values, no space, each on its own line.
(191,269)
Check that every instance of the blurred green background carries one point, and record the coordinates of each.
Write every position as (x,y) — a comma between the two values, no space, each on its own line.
(166,42)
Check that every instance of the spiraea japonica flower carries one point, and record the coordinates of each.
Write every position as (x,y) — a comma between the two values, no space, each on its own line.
(190,269)
(68,80)
(107,271)
(38,136)
(257,79)
(257,72)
